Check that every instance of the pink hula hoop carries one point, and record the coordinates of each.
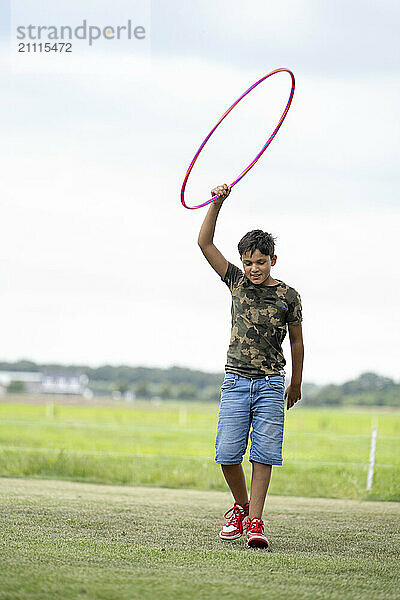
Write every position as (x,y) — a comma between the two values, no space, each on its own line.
(263,149)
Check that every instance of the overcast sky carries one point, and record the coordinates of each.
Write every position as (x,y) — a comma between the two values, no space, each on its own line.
(99,260)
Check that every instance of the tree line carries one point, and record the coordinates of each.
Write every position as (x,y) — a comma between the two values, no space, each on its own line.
(178,383)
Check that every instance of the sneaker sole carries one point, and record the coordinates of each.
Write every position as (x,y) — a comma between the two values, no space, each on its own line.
(232,537)
(257,543)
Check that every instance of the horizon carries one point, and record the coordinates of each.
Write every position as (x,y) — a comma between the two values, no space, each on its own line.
(99,366)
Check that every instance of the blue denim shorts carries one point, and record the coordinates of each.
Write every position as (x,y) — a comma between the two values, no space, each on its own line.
(258,403)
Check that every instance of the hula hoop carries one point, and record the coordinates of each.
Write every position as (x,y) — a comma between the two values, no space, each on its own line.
(263,149)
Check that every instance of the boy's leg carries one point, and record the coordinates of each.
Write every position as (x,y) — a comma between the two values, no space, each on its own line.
(268,413)
(230,444)
(261,475)
(234,476)
(232,433)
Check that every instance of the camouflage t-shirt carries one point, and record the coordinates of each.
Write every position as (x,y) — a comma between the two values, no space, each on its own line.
(260,315)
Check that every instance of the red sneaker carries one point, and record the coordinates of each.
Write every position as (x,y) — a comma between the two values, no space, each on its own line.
(237,517)
(255,534)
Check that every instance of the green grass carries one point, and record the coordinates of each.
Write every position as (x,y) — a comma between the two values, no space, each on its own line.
(70,540)
(171,445)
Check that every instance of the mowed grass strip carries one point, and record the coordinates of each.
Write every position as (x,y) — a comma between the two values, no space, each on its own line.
(172,445)
(69,540)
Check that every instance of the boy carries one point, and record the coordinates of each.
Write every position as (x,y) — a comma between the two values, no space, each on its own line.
(253,389)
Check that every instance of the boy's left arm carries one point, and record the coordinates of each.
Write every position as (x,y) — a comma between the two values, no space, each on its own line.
(293,391)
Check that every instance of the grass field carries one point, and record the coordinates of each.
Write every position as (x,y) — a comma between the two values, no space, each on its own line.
(66,540)
(171,445)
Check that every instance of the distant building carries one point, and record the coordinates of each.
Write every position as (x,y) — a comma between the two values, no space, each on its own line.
(32,380)
(61,383)
(46,383)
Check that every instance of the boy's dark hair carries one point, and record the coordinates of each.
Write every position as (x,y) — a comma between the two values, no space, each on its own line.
(257,240)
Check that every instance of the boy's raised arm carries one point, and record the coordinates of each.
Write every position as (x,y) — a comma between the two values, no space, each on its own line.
(206,235)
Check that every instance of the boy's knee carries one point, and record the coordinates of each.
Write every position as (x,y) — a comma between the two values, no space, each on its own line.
(229,454)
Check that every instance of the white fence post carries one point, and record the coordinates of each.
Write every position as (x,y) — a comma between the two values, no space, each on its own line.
(182,416)
(371,459)
(50,409)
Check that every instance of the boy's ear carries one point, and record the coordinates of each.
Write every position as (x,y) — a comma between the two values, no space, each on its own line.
(273,260)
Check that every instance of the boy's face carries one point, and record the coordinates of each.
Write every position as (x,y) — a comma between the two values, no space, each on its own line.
(257,267)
